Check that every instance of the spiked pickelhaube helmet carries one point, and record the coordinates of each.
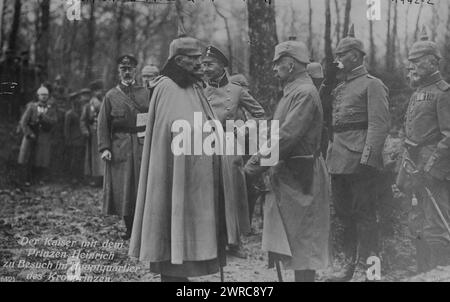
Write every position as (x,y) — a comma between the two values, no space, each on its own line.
(350,42)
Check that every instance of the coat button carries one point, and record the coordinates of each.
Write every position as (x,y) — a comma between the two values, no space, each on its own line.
(228,109)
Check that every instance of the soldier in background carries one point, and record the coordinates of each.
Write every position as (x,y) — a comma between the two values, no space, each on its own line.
(59,100)
(316,73)
(360,125)
(427,145)
(36,123)
(148,74)
(93,165)
(255,185)
(119,144)
(74,139)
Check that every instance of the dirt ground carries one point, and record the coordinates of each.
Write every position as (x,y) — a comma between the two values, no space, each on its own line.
(42,226)
(39,222)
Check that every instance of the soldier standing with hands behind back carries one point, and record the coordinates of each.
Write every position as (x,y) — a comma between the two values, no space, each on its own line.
(119,144)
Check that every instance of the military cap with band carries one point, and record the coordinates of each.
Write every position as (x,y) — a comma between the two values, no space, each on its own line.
(294,49)
(214,52)
(350,42)
(127,61)
(423,47)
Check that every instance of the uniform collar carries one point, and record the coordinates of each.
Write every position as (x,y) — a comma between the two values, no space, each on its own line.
(220,82)
(42,104)
(435,77)
(356,73)
(125,85)
(300,79)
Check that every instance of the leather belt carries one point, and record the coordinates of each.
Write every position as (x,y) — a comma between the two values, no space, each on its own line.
(130,130)
(350,126)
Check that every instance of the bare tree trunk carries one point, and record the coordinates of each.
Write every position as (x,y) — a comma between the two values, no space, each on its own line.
(416,31)
(70,35)
(133,30)
(372,47)
(435,20)
(310,29)
(328,48)
(388,39)
(263,39)
(348,7)
(338,21)
(230,42)
(406,42)
(394,38)
(44,38)
(446,53)
(118,13)
(15,25)
(2,6)
(90,45)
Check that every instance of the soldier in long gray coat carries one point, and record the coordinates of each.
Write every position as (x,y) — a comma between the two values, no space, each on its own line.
(93,165)
(36,124)
(296,213)
(119,144)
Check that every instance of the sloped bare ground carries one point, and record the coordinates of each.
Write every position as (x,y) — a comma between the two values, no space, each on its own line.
(73,214)
(58,211)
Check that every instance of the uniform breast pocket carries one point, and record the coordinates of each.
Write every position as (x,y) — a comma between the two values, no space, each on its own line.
(118,117)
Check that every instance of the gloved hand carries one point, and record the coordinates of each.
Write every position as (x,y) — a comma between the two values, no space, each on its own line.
(106,155)
(253,167)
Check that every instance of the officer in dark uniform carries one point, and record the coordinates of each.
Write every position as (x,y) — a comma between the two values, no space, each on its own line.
(427,147)
(360,124)
(118,141)
(228,101)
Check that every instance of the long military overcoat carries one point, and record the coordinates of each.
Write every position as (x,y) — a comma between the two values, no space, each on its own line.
(117,133)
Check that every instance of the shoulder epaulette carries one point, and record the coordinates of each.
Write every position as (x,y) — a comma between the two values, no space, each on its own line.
(443,85)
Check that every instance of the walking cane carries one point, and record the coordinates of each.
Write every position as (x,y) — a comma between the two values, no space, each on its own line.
(222,278)
(280,276)
(410,167)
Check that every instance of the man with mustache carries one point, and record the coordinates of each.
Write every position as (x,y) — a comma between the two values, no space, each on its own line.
(427,144)
(229,101)
(118,141)
(360,124)
(297,209)
(184,214)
